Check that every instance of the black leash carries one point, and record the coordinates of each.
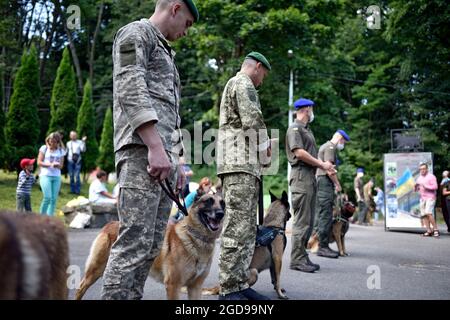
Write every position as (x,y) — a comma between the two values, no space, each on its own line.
(169,191)
(261,202)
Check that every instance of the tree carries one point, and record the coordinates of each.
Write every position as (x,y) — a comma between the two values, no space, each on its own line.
(86,127)
(106,156)
(2,138)
(63,103)
(22,121)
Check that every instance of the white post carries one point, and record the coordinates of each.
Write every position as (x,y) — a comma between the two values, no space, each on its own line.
(290,121)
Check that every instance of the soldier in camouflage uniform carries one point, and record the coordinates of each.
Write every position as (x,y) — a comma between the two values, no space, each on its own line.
(326,185)
(243,147)
(146,119)
(301,151)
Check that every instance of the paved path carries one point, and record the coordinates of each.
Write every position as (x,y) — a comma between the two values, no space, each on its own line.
(410,267)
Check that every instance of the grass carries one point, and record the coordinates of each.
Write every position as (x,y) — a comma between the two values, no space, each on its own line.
(8,185)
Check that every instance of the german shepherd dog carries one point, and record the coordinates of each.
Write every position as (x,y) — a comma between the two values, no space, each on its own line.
(271,256)
(186,254)
(34,257)
(340,226)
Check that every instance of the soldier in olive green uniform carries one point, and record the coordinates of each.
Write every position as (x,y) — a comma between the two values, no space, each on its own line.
(301,152)
(146,141)
(326,185)
(242,149)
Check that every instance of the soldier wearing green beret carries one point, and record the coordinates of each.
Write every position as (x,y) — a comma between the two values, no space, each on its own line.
(241,117)
(146,119)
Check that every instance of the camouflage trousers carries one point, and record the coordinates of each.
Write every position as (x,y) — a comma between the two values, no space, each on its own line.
(303,188)
(143,215)
(238,238)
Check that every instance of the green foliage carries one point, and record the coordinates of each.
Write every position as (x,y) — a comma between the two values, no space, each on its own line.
(2,138)
(63,103)
(22,121)
(106,154)
(400,70)
(86,127)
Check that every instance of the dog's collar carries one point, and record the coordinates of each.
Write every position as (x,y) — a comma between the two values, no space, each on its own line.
(340,218)
(199,236)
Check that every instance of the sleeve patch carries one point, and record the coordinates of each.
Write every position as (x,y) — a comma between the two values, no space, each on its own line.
(127,54)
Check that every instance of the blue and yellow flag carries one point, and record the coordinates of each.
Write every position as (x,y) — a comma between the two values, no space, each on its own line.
(405,184)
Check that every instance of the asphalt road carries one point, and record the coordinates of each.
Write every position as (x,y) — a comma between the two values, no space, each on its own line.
(408,265)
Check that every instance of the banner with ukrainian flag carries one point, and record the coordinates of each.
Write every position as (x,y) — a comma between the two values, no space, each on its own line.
(405,184)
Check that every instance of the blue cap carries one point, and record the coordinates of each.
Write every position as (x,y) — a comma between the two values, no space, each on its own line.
(301,103)
(343,134)
(360,170)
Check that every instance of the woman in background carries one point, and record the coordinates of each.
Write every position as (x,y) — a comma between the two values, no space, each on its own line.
(51,160)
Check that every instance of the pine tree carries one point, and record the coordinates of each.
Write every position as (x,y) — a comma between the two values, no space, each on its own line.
(86,127)
(106,157)
(63,103)
(22,120)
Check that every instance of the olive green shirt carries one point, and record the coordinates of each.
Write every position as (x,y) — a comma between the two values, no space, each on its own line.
(300,136)
(358,184)
(327,152)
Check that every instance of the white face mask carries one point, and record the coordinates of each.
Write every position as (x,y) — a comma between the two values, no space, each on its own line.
(311,117)
(340,146)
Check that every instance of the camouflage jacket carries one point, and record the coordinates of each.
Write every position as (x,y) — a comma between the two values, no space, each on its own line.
(242,138)
(146,85)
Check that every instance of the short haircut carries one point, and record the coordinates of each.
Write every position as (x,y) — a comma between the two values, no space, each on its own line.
(423,164)
(249,62)
(101,174)
(162,4)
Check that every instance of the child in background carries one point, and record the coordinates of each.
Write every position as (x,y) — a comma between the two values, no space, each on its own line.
(26,181)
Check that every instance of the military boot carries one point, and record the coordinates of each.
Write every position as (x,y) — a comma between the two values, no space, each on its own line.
(327,253)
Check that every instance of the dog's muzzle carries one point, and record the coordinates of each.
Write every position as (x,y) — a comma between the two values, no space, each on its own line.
(213,219)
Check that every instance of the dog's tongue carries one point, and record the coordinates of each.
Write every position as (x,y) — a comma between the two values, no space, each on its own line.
(213,223)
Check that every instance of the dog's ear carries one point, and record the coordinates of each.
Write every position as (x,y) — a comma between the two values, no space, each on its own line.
(273,198)
(197,196)
(285,199)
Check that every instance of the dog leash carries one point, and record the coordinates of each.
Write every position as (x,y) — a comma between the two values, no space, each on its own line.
(169,191)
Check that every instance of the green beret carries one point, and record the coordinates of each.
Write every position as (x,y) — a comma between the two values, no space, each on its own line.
(192,9)
(260,58)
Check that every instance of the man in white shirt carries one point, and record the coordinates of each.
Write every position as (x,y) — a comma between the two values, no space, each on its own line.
(74,148)
(98,193)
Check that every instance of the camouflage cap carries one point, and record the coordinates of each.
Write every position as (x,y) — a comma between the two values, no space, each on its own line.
(260,58)
(192,9)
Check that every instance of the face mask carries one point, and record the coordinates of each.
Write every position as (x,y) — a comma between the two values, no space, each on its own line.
(340,146)
(311,117)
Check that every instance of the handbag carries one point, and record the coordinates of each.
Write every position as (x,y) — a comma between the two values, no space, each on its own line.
(75,156)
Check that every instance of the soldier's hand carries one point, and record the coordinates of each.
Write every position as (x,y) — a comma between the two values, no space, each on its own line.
(159,164)
(327,166)
(84,138)
(269,151)
(338,188)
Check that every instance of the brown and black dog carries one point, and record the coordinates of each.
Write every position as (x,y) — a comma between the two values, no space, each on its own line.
(269,256)
(340,226)
(186,255)
(34,257)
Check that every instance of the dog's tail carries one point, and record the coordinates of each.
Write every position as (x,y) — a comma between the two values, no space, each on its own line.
(211,291)
(96,262)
